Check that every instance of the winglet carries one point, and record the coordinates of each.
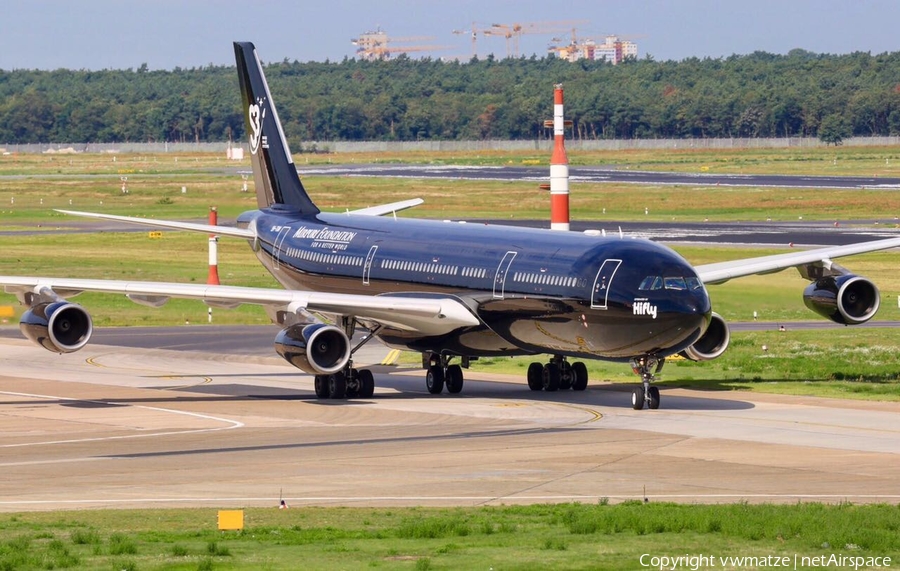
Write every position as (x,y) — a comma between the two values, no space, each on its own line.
(274,172)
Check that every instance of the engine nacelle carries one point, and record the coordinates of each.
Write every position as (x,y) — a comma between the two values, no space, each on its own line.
(847,299)
(59,326)
(712,343)
(318,349)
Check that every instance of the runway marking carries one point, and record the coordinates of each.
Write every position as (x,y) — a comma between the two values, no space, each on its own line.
(391,357)
(473,499)
(232,424)
(595,416)
(205,381)
(93,361)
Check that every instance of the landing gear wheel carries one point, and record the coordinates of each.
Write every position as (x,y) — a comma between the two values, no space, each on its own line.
(653,397)
(581,376)
(551,377)
(366,384)
(535,377)
(353,384)
(565,376)
(637,398)
(337,386)
(321,385)
(454,379)
(434,379)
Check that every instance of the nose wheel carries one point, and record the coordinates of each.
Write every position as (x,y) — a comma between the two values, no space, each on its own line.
(646,394)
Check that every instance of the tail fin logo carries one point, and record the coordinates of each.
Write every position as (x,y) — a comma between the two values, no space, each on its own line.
(256,118)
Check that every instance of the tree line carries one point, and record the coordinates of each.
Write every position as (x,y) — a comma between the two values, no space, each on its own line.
(756,95)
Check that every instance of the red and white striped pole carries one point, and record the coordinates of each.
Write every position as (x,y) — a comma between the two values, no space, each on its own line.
(559,167)
(213,278)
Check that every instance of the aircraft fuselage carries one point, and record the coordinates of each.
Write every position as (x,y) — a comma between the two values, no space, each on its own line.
(535,291)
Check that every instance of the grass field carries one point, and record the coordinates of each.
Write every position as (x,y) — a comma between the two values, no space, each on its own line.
(34,184)
(816,161)
(565,536)
(862,363)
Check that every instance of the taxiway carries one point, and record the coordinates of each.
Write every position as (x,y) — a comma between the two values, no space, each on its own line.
(128,427)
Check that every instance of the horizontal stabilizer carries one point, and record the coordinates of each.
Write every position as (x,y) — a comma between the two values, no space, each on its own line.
(170,224)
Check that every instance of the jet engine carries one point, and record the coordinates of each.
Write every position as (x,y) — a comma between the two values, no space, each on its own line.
(318,349)
(846,299)
(712,343)
(59,326)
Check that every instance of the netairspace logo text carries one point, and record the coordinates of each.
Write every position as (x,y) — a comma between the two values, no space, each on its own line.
(696,562)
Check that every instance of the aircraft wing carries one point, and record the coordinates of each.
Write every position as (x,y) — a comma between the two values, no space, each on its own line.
(383,209)
(429,316)
(723,271)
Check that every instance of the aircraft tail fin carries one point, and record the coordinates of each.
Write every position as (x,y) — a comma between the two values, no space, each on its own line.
(274,172)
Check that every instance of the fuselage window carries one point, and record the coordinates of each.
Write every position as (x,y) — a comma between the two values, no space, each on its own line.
(675,282)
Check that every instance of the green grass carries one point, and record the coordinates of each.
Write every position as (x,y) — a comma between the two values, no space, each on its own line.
(564,536)
(93,182)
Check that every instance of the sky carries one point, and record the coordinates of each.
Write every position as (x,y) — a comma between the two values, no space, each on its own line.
(164,34)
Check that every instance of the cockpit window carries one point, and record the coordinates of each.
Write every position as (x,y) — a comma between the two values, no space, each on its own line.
(651,283)
(676,283)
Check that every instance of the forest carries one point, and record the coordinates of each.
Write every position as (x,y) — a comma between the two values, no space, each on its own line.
(757,95)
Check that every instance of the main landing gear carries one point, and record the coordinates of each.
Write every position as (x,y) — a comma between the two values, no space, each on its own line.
(557,374)
(348,383)
(646,394)
(352,383)
(439,372)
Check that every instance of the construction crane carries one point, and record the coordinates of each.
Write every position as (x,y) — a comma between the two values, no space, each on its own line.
(512,32)
(378,45)
(474,31)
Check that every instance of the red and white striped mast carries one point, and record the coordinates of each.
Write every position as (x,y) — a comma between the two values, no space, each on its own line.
(559,167)
(213,278)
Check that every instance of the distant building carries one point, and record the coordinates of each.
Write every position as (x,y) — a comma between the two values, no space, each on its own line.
(613,50)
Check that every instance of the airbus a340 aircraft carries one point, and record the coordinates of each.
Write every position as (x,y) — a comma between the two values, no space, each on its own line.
(451,291)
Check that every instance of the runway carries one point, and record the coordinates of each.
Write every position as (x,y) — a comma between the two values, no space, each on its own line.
(129,427)
(601,174)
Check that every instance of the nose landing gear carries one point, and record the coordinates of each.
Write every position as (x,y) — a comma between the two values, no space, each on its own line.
(647,368)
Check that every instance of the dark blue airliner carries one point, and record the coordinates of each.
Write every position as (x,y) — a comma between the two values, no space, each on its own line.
(451,291)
